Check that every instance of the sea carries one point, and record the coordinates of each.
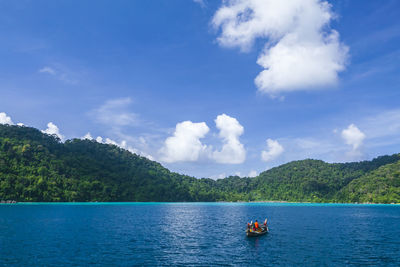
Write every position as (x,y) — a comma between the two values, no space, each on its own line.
(198,234)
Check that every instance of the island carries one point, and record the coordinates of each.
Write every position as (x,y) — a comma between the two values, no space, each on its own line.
(37,167)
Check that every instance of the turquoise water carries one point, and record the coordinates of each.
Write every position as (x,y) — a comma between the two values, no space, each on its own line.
(206,234)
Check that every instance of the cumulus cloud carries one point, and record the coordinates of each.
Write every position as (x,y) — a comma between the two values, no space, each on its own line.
(274,150)
(52,129)
(114,113)
(185,144)
(232,151)
(353,136)
(4,119)
(301,51)
(87,136)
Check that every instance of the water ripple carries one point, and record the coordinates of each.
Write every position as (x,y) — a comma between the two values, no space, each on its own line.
(198,234)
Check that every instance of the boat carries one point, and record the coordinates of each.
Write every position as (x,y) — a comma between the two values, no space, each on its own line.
(262,231)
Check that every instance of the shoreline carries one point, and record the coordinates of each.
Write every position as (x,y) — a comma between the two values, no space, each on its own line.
(13,202)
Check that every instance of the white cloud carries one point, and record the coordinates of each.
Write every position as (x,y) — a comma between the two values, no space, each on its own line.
(185,144)
(87,136)
(131,149)
(116,114)
(294,64)
(252,173)
(233,151)
(374,134)
(353,136)
(142,141)
(110,142)
(307,143)
(52,129)
(113,113)
(47,70)
(218,176)
(274,150)
(123,145)
(62,73)
(382,129)
(4,119)
(301,51)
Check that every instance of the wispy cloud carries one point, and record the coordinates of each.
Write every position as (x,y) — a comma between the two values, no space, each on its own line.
(48,70)
(60,73)
(382,124)
(123,144)
(202,3)
(117,116)
(368,135)
(115,113)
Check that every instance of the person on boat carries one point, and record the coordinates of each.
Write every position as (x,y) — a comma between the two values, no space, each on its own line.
(248,226)
(251,226)
(256,226)
(265,224)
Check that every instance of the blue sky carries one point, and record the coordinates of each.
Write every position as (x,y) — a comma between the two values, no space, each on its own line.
(208,88)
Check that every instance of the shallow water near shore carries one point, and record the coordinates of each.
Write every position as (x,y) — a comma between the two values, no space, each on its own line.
(38,234)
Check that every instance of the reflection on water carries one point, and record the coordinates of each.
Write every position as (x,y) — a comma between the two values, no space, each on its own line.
(198,234)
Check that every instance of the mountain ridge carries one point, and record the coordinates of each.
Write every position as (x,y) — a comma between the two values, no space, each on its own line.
(38,167)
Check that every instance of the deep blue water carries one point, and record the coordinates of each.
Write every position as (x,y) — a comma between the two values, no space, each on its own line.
(204,234)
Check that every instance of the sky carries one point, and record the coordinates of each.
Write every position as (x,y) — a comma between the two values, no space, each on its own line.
(207,88)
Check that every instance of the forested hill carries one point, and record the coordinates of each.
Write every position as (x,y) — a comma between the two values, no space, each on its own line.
(39,167)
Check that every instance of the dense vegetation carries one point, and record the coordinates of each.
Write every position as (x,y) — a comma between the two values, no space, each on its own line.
(39,167)
(379,186)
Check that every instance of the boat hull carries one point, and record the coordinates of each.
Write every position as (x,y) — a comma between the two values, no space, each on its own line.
(256,233)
